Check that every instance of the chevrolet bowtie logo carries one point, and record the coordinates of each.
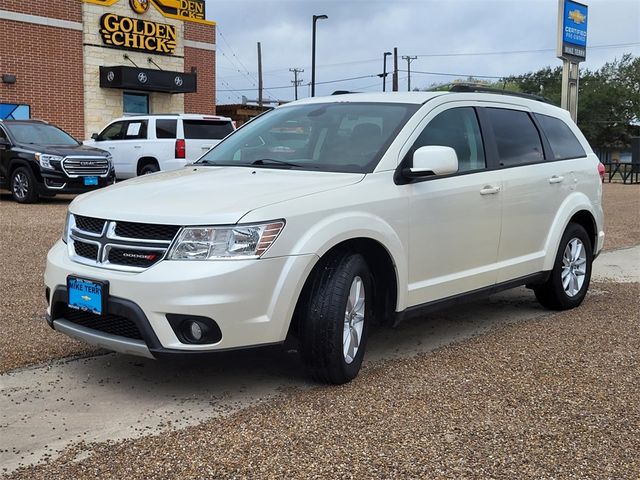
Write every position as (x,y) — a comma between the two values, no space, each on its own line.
(577,16)
(86,298)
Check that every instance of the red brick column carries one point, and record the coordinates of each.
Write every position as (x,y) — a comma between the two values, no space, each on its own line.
(203,101)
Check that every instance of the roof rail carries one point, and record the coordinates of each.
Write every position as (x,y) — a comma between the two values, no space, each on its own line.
(472,87)
(343,92)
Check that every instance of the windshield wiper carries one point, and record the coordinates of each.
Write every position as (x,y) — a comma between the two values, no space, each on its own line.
(272,161)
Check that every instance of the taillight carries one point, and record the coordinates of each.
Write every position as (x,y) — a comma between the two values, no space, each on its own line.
(601,171)
(180,148)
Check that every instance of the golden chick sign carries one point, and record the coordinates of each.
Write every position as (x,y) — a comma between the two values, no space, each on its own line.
(189,10)
(138,34)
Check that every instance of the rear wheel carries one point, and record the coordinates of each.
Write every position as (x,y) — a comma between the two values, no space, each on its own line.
(23,185)
(336,314)
(569,280)
(149,168)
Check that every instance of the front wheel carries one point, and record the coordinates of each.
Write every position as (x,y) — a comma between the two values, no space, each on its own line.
(23,186)
(569,280)
(336,314)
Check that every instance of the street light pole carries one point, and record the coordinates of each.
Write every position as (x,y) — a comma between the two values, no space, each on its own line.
(384,70)
(313,53)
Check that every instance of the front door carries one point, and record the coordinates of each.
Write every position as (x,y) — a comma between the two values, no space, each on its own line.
(455,220)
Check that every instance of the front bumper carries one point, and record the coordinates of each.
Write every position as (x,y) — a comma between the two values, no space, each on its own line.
(252,301)
(54,182)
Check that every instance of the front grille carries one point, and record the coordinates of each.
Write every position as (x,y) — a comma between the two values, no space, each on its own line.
(126,246)
(147,231)
(86,250)
(134,258)
(88,224)
(107,323)
(85,166)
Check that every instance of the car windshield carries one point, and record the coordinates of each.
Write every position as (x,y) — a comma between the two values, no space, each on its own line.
(40,134)
(331,137)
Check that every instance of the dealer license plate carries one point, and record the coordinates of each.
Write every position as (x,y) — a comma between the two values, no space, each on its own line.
(87,295)
(90,181)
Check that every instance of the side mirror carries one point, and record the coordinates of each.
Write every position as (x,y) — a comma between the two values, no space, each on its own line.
(94,136)
(432,160)
(4,144)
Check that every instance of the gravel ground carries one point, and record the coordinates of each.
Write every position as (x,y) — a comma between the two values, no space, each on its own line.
(28,231)
(556,397)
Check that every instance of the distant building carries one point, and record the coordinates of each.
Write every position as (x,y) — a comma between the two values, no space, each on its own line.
(81,63)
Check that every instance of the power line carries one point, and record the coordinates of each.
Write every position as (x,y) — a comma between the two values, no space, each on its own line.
(289,86)
(510,52)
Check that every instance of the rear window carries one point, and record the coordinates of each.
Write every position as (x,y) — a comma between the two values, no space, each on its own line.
(166,128)
(562,140)
(207,129)
(517,137)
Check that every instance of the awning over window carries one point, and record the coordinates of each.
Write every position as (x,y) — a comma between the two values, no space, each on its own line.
(148,80)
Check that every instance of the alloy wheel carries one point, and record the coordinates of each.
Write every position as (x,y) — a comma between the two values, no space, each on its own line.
(574,267)
(353,320)
(20,186)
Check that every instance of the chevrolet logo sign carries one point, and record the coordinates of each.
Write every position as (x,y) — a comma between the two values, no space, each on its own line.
(577,16)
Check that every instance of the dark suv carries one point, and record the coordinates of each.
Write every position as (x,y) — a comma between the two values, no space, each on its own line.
(39,159)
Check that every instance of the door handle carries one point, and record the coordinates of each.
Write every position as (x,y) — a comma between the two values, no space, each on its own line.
(112,148)
(556,179)
(137,146)
(489,190)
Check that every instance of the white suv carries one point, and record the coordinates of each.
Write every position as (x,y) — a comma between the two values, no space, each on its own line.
(150,143)
(327,214)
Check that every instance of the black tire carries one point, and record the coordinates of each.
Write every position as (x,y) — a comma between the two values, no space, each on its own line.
(323,314)
(149,168)
(552,294)
(23,185)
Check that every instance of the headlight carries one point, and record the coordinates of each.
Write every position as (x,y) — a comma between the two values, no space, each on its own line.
(45,160)
(65,232)
(213,243)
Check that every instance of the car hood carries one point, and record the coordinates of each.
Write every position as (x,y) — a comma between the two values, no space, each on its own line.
(204,195)
(65,150)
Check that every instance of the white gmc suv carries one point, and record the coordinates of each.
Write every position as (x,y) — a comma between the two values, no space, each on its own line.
(327,214)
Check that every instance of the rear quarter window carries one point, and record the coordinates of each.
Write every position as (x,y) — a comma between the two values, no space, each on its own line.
(207,129)
(564,143)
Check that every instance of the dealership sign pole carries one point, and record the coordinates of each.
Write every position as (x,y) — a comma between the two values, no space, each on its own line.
(572,49)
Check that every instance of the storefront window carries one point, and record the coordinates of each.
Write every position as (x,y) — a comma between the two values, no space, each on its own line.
(136,103)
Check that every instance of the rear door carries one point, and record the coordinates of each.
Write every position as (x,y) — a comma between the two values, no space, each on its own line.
(201,135)
(533,189)
(132,146)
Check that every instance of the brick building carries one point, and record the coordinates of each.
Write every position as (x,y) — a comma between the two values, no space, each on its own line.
(81,63)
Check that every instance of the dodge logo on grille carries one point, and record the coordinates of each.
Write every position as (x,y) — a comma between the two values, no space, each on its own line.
(140,256)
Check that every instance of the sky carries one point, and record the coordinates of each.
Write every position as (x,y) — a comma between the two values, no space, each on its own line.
(451,38)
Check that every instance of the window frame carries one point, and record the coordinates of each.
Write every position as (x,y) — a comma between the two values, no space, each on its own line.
(100,139)
(407,158)
(136,94)
(143,122)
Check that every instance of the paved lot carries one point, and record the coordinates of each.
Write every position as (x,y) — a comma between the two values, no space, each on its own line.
(28,231)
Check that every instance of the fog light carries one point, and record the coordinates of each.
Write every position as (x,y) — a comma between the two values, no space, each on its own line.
(196,331)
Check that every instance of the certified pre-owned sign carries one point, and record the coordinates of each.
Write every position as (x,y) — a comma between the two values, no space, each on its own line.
(137,34)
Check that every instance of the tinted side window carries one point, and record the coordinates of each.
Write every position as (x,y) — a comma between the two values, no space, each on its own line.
(166,128)
(136,130)
(3,136)
(456,128)
(517,137)
(112,132)
(562,140)
(207,129)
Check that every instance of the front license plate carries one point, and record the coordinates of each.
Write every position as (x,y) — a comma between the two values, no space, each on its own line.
(87,295)
(91,181)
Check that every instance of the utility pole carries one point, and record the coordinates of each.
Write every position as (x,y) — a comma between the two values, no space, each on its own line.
(409,60)
(295,80)
(259,75)
(395,69)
